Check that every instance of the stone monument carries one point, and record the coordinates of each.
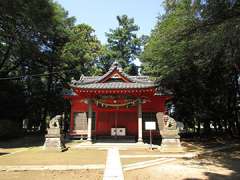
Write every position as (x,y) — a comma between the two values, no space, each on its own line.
(54,139)
(169,132)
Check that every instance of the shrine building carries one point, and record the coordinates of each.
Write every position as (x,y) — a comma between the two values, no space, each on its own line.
(114,105)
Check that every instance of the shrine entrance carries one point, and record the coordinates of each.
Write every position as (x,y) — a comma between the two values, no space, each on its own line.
(118,125)
(115,119)
(112,105)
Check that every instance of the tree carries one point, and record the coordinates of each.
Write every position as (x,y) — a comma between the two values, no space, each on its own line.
(56,36)
(105,59)
(81,52)
(124,43)
(194,51)
(32,34)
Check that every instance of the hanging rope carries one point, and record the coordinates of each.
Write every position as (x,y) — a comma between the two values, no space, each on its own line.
(127,104)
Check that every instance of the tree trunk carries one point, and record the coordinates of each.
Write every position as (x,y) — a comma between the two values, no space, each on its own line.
(48,98)
(220,128)
(207,129)
(199,128)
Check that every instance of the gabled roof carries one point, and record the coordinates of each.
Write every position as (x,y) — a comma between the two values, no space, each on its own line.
(105,82)
(115,85)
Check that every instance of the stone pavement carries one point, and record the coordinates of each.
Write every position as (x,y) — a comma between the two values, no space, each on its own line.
(113,169)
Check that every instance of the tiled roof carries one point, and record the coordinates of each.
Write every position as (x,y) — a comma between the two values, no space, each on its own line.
(115,85)
(96,82)
(95,79)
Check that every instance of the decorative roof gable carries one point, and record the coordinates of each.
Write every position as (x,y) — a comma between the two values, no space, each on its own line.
(115,78)
(115,72)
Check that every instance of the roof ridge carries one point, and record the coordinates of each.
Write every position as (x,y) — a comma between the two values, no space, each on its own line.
(115,67)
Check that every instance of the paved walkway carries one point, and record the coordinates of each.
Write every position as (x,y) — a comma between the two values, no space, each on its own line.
(113,169)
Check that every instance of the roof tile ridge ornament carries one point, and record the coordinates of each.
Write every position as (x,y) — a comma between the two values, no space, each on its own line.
(117,66)
(81,78)
(114,66)
(73,81)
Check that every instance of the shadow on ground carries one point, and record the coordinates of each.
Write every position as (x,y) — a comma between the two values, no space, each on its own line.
(215,176)
(22,142)
(228,159)
(1,153)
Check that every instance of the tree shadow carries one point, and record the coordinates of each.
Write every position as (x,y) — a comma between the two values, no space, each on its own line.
(155,140)
(208,143)
(3,153)
(228,159)
(20,142)
(214,176)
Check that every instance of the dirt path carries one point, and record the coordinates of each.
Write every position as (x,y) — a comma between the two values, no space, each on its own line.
(219,165)
(52,175)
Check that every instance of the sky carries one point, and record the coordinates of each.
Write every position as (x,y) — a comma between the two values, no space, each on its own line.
(101,14)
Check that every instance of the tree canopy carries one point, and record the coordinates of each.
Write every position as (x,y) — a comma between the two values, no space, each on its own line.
(32,34)
(194,50)
(82,51)
(124,43)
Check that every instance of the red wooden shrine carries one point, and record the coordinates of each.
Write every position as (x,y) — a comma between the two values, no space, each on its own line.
(103,105)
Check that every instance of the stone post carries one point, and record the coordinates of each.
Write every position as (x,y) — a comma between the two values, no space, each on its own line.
(89,131)
(139,107)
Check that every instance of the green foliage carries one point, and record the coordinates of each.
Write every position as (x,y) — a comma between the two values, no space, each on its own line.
(194,50)
(124,43)
(105,59)
(82,50)
(32,34)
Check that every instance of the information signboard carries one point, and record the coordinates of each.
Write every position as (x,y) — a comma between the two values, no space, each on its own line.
(150,125)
